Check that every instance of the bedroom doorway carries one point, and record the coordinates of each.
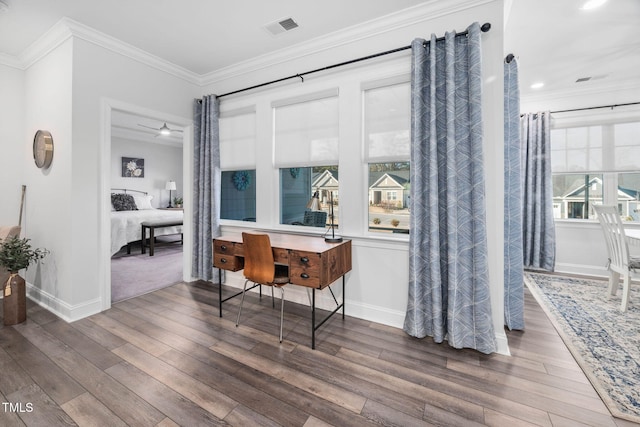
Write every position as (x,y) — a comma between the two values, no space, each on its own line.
(143,158)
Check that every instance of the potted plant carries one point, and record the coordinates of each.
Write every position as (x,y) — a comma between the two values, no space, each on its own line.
(177,201)
(16,254)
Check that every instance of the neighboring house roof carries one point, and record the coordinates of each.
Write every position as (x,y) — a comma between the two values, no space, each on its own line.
(623,193)
(401,178)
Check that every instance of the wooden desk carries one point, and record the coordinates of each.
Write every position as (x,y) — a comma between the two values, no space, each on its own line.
(312,262)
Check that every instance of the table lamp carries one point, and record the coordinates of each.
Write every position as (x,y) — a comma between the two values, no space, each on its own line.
(171,186)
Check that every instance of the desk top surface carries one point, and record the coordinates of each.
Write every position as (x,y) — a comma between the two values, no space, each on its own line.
(289,241)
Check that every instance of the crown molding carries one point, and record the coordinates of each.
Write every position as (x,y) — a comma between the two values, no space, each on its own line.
(66,28)
(414,15)
(628,86)
(10,61)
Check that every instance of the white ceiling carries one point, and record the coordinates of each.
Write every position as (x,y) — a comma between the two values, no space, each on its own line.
(555,42)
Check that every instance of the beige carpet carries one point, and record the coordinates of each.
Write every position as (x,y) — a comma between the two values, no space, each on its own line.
(137,274)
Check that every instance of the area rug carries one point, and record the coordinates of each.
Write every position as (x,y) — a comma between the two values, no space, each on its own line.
(604,341)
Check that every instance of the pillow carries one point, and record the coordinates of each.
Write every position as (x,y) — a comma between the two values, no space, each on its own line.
(143,201)
(123,202)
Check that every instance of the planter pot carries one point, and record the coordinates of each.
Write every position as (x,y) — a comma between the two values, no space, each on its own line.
(14,304)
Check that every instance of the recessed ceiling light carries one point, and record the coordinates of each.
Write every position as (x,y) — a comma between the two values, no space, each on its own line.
(592,4)
(537,85)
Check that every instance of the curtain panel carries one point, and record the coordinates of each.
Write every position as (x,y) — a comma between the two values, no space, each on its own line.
(513,267)
(448,278)
(538,235)
(206,184)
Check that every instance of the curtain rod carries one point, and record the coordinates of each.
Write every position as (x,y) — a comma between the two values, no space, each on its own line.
(485,28)
(594,108)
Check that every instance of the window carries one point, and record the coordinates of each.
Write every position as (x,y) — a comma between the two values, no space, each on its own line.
(306,154)
(387,127)
(596,165)
(237,161)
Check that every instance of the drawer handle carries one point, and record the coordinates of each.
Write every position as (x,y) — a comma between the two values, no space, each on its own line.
(304,259)
(304,275)
(223,247)
(223,260)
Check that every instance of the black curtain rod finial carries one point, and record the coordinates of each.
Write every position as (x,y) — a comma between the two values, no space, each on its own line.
(485,27)
(509,58)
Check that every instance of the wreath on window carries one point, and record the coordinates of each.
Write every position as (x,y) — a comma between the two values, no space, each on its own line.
(294,172)
(241,180)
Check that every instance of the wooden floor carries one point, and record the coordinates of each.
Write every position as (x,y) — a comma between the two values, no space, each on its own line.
(166,359)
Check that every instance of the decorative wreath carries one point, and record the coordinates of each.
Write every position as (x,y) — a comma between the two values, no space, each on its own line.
(241,180)
(294,172)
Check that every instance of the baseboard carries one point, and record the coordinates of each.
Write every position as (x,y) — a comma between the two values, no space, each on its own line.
(582,269)
(65,311)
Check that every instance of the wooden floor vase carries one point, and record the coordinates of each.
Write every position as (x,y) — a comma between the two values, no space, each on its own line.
(14,300)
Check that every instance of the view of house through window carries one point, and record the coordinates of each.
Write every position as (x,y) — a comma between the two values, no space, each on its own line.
(298,186)
(595,165)
(389,197)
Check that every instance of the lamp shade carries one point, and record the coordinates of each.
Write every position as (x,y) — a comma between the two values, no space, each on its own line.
(171,185)
(314,203)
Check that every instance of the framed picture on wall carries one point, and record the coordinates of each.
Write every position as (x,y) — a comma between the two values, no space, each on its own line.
(132,167)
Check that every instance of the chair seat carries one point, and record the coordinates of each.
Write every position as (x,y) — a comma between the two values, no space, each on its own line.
(634,263)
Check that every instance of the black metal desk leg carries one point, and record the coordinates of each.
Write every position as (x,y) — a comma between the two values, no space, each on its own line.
(343,296)
(313,319)
(220,290)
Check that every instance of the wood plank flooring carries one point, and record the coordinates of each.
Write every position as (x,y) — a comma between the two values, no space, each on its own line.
(167,359)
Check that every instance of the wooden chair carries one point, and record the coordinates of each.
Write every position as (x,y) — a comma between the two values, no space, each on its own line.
(261,269)
(620,262)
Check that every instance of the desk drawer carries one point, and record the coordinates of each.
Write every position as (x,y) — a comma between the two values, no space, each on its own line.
(228,262)
(305,268)
(224,247)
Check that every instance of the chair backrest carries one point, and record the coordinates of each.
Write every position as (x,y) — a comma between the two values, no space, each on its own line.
(315,218)
(259,265)
(614,236)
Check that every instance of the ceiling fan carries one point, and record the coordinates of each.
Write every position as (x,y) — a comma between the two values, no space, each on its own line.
(163,130)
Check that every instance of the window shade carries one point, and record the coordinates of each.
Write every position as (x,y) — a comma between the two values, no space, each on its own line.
(306,133)
(602,148)
(387,123)
(238,141)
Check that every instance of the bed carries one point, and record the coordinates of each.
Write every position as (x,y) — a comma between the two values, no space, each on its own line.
(129,208)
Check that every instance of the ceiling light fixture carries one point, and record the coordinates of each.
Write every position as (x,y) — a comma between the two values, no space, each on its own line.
(592,4)
(537,85)
(164,130)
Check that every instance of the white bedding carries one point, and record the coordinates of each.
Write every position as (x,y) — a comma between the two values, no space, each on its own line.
(126,225)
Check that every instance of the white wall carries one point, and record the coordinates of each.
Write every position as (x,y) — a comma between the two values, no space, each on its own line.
(162,163)
(13,143)
(70,91)
(377,287)
(49,207)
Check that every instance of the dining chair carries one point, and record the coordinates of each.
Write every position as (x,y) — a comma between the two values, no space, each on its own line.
(261,269)
(620,261)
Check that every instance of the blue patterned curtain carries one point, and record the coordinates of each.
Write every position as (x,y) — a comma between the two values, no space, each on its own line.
(206,185)
(538,236)
(448,268)
(513,268)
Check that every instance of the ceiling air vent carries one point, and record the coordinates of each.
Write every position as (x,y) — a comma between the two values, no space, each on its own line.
(583,79)
(281,26)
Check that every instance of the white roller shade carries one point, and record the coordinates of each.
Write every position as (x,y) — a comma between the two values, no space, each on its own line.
(387,123)
(306,133)
(238,140)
